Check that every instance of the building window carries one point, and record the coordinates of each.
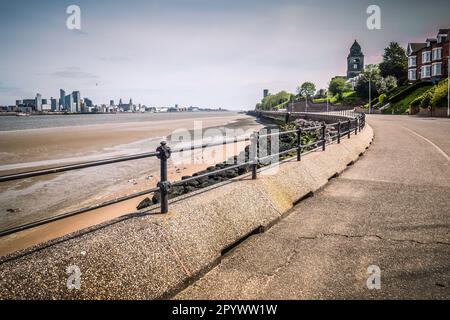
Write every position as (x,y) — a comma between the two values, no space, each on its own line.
(441,38)
(437,54)
(426,56)
(412,75)
(412,61)
(437,69)
(355,66)
(425,72)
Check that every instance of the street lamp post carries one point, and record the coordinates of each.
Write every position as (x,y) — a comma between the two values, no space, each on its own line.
(448,80)
(370,93)
(328,106)
(306,103)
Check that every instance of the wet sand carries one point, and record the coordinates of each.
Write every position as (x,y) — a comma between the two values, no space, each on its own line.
(64,143)
(35,147)
(25,239)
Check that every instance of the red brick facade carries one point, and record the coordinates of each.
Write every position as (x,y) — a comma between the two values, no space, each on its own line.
(430,57)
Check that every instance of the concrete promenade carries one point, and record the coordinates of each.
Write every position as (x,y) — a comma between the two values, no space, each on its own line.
(390,209)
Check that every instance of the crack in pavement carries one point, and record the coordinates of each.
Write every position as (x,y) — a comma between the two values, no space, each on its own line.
(287,262)
(270,275)
(324,235)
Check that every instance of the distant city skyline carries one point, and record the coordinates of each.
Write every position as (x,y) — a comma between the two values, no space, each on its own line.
(195,52)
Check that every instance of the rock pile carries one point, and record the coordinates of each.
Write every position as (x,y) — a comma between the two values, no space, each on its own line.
(287,142)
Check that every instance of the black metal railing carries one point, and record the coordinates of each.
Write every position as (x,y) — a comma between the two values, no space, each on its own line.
(345,126)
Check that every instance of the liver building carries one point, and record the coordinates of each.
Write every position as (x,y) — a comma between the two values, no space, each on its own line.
(355,61)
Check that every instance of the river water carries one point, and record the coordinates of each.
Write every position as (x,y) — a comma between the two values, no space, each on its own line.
(9,123)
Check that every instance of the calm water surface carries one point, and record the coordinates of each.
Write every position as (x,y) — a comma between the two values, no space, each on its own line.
(10,123)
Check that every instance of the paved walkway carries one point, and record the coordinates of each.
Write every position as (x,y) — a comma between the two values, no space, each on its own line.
(391,209)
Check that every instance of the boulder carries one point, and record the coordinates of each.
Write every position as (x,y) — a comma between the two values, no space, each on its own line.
(145,204)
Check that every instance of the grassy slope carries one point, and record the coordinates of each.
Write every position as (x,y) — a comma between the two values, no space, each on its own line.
(347,96)
(402,106)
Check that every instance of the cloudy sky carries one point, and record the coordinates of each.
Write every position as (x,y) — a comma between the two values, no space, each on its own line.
(195,52)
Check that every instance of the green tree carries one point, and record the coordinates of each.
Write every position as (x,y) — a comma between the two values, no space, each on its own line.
(391,82)
(338,86)
(371,77)
(273,101)
(321,93)
(395,62)
(440,94)
(307,89)
(427,97)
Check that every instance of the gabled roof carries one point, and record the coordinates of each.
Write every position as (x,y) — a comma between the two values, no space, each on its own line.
(414,47)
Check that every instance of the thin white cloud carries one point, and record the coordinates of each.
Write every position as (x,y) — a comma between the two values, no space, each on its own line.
(73,73)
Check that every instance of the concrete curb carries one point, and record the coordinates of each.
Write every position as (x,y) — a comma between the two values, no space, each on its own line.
(154,256)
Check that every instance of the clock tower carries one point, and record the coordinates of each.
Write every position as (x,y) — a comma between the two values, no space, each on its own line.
(355,61)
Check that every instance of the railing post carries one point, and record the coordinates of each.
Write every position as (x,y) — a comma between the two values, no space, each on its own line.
(324,142)
(349,128)
(163,184)
(299,144)
(339,132)
(255,142)
(287,117)
(356,126)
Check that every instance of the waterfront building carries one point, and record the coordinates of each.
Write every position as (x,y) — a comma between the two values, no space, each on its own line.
(69,105)
(26,105)
(193,109)
(38,103)
(46,105)
(77,101)
(54,104)
(88,103)
(62,96)
(126,107)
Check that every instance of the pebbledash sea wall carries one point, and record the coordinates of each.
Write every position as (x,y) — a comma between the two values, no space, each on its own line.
(152,256)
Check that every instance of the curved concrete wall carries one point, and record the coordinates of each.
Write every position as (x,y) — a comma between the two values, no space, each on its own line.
(153,256)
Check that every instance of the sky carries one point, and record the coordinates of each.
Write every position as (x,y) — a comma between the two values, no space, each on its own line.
(207,53)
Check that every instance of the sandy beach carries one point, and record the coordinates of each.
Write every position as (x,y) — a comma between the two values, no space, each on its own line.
(31,199)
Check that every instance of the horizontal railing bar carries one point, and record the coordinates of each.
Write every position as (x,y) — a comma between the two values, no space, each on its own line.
(83,165)
(75,212)
(312,128)
(311,151)
(279,133)
(312,144)
(200,176)
(278,154)
(207,145)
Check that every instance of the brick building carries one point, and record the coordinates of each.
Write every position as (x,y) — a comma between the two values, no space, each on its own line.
(428,61)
